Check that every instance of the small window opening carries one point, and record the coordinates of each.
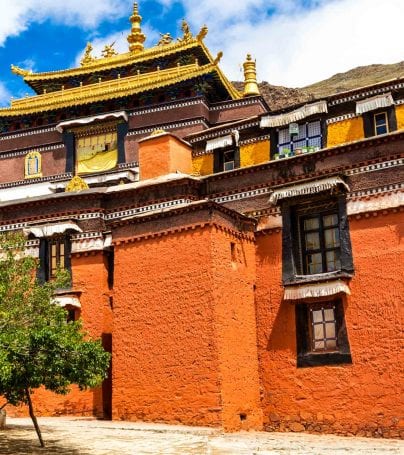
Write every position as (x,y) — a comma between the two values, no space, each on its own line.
(243,416)
(381,125)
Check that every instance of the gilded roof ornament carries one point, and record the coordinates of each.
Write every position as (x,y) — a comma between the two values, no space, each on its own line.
(76,184)
(202,34)
(88,58)
(165,39)
(218,58)
(187,35)
(109,51)
(20,71)
(136,38)
(250,77)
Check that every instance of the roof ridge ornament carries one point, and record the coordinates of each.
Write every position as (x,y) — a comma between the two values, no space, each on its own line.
(136,38)
(187,35)
(20,71)
(202,33)
(109,51)
(87,58)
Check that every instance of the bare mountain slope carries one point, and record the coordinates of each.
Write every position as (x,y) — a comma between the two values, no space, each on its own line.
(279,97)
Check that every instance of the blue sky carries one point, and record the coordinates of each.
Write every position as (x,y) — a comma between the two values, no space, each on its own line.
(295,42)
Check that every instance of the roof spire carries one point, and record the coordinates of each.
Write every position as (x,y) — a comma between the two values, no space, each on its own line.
(136,38)
(250,77)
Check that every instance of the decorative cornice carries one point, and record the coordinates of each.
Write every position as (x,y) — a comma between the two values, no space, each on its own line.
(341,118)
(375,167)
(8,136)
(366,93)
(15,153)
(167,107)
(235,103)
(50,179)
(398,102)
(220,131)
(253,140)
(167,126)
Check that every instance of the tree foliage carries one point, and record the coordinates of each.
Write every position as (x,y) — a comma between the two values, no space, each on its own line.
(37,346)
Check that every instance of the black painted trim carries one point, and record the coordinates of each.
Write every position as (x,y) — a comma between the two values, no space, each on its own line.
(122,130)
(42,273)
(305,358)
(345,238)
(68,139)
(369,123)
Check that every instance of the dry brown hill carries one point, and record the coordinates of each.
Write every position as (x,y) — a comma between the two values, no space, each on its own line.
(279,97)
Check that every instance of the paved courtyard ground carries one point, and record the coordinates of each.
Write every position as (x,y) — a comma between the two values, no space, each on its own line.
(72,436)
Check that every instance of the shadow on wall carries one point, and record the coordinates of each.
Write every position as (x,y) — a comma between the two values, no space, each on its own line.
(283,333)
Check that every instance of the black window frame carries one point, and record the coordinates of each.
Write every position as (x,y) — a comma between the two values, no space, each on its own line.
(218,158)
(45,268)
(292,267)
(306,355)
(369,125)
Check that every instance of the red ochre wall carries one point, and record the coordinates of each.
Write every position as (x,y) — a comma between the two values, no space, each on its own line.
(365,398)
(90,277)
(177,341)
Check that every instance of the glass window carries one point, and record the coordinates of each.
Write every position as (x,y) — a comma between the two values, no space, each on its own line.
(228,160)
(308,139)
(381,125)
(320,243)
(323,325)
(56,255)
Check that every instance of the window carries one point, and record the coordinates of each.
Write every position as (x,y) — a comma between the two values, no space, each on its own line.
(320,243)
(316,243)
(54,256)
(303,138)
(228,160)
(381,121)
(321,334)
(381,124)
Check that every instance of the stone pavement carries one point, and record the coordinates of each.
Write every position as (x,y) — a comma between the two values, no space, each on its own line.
(78,436)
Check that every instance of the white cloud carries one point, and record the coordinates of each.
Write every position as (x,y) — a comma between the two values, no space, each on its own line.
(17,15)
(297,43)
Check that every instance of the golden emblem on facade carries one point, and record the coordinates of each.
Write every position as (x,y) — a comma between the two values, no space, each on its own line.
(76,184)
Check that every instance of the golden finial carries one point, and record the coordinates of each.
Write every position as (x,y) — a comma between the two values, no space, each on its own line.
(19,71)
(203,32)
(88,58)
(250,77)
(136,38)
(157,131)
(76,184)
(109,51)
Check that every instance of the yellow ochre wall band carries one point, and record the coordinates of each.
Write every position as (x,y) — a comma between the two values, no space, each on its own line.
(345,131)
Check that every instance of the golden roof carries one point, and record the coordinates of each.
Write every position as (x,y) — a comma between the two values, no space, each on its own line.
(116,88)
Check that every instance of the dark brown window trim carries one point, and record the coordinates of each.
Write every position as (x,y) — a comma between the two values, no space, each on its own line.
(305,356)
(290,245)
(218,158)
(369,120)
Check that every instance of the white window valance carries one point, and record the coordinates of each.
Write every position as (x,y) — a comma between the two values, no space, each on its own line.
(47,230)
(307,110)
(64,301)
(308,291)
(87,120)
(219,142)
(376,102)
(315,186)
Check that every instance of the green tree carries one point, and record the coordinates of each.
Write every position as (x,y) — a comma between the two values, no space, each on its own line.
(37,346)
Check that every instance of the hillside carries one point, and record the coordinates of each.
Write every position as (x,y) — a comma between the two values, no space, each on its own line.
(279,97)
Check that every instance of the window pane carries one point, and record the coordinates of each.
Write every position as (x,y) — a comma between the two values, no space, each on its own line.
(333,262)
(318,331)
(381,129)
(331,237)
(380,119)
(319,345)
(314,129)
(302,132)
(284,136)
(315,142)
(317,315)
(331,344)
(329,314)
(314,263)
(330,330)
(311,223)
(312,241)
(330,220)
(228,165)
